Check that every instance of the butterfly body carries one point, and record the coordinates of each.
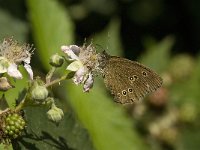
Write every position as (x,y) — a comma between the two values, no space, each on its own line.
(128,80)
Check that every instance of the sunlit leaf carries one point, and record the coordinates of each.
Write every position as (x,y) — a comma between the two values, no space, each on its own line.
(52,27)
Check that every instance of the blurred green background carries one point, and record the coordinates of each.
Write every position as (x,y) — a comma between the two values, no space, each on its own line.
(162,34)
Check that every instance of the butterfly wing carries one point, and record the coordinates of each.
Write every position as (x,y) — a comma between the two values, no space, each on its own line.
(128,80)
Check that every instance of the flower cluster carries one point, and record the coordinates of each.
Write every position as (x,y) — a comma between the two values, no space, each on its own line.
(11,55)
(85,64)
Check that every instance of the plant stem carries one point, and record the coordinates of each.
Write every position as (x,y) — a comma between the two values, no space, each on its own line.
(50,74)
(68,75)
(56,81)
(21,104)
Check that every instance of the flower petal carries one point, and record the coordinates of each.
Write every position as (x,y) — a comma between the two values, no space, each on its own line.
(29,70)
(74,66)
(75,49)
(27,60)
(79,76)
(14,72)
(69,51)
(3,65)
(88,83)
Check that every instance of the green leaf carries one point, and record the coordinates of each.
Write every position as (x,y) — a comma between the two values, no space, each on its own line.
(11,26)
(43,134)
(3,103)
(189,88)
(13,94)
(157,54)
(3,147)
(106,121)
(52,27)
(189,139)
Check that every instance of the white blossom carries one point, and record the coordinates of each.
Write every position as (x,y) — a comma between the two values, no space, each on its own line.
(84,63)
(12,55)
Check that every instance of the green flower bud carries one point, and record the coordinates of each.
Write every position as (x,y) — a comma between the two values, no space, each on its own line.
(39,93)
(55,114)
(56,60)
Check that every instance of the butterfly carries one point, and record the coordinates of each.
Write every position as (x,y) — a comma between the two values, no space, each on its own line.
(128,81)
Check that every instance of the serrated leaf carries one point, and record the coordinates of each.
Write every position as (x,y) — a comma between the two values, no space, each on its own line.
(43,134)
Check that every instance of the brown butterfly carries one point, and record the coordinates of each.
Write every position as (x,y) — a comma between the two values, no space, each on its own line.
(128,80)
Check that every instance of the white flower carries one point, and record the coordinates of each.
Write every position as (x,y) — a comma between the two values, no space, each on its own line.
(12,55)
(85,64)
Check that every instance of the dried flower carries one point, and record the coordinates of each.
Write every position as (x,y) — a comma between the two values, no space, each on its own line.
(11,55)
(5,84)
(85,64)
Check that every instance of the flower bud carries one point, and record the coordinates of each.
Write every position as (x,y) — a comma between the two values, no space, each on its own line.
(56,60)
(39,93)
(55,114)
(5,84)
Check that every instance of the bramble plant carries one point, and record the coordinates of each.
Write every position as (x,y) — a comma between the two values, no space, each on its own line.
(85,62)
